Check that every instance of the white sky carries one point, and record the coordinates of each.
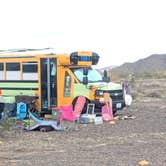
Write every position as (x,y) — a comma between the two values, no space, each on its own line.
(118,30)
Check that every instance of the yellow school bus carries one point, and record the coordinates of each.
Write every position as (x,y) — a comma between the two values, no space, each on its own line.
(53,79)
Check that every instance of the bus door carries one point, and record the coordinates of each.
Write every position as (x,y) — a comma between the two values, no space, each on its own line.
(48,83)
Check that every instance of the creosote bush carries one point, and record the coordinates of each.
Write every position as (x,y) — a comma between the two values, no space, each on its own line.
(7,123)
(154,94)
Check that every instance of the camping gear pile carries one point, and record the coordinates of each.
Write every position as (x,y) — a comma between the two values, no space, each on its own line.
(30,120)
(25,111)
(90,116)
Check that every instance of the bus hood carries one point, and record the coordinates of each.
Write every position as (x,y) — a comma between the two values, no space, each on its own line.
(105,85)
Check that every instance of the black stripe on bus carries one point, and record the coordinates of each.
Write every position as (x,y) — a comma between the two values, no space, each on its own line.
(19,81)
(6,88)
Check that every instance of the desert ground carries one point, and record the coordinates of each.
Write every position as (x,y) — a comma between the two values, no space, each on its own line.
(125,143)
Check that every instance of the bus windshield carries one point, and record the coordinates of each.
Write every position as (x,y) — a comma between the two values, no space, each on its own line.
(93,75)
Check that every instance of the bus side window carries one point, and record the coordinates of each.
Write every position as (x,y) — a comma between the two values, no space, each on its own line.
(30,71)
(1,71)
(13,71)
(67,85)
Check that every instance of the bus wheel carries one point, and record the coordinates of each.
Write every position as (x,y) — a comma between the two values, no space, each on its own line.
(85,106)
(45,128)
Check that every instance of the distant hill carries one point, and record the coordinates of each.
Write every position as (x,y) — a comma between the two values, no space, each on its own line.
(152,64)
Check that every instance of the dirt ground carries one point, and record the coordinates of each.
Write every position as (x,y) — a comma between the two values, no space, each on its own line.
(123,144)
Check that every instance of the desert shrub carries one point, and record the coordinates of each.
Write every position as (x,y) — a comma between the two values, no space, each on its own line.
(156,75)
(144,75)
(154,94)
(132,81)
(134,95)
(160,75)
(6,123)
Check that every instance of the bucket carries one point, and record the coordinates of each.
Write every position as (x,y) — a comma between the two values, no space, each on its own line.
(56,113)
(98,120)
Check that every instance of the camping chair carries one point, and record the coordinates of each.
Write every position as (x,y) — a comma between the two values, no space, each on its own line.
(72,114)
(67,116)
(68,113)
(79,105)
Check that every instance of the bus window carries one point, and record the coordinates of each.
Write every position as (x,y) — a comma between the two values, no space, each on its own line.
(30,71)
(53,68)
(53,84)
(67,85)
(12,71)
(1,71)
(93,75)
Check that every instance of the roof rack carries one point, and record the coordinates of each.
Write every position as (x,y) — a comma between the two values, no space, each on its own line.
(23,50)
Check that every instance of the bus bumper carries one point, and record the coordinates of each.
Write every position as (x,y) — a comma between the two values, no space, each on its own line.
(118,105)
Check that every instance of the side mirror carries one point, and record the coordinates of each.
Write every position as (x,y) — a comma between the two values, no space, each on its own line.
(105,73)
(106,78)
(85,80)
(85,71)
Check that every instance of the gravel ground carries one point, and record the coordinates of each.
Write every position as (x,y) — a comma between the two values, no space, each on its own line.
(123,144)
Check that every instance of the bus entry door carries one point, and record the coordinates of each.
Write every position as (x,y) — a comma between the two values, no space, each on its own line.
(48,83)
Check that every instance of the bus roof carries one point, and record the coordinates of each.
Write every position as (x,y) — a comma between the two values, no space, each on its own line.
(76,58)
(27,52)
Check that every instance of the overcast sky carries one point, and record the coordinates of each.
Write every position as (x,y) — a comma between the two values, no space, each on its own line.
(118,30)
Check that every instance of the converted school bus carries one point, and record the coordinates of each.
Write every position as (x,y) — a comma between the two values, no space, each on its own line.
(53,79)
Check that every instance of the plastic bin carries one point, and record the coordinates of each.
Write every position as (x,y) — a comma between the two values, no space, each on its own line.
(56,113)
